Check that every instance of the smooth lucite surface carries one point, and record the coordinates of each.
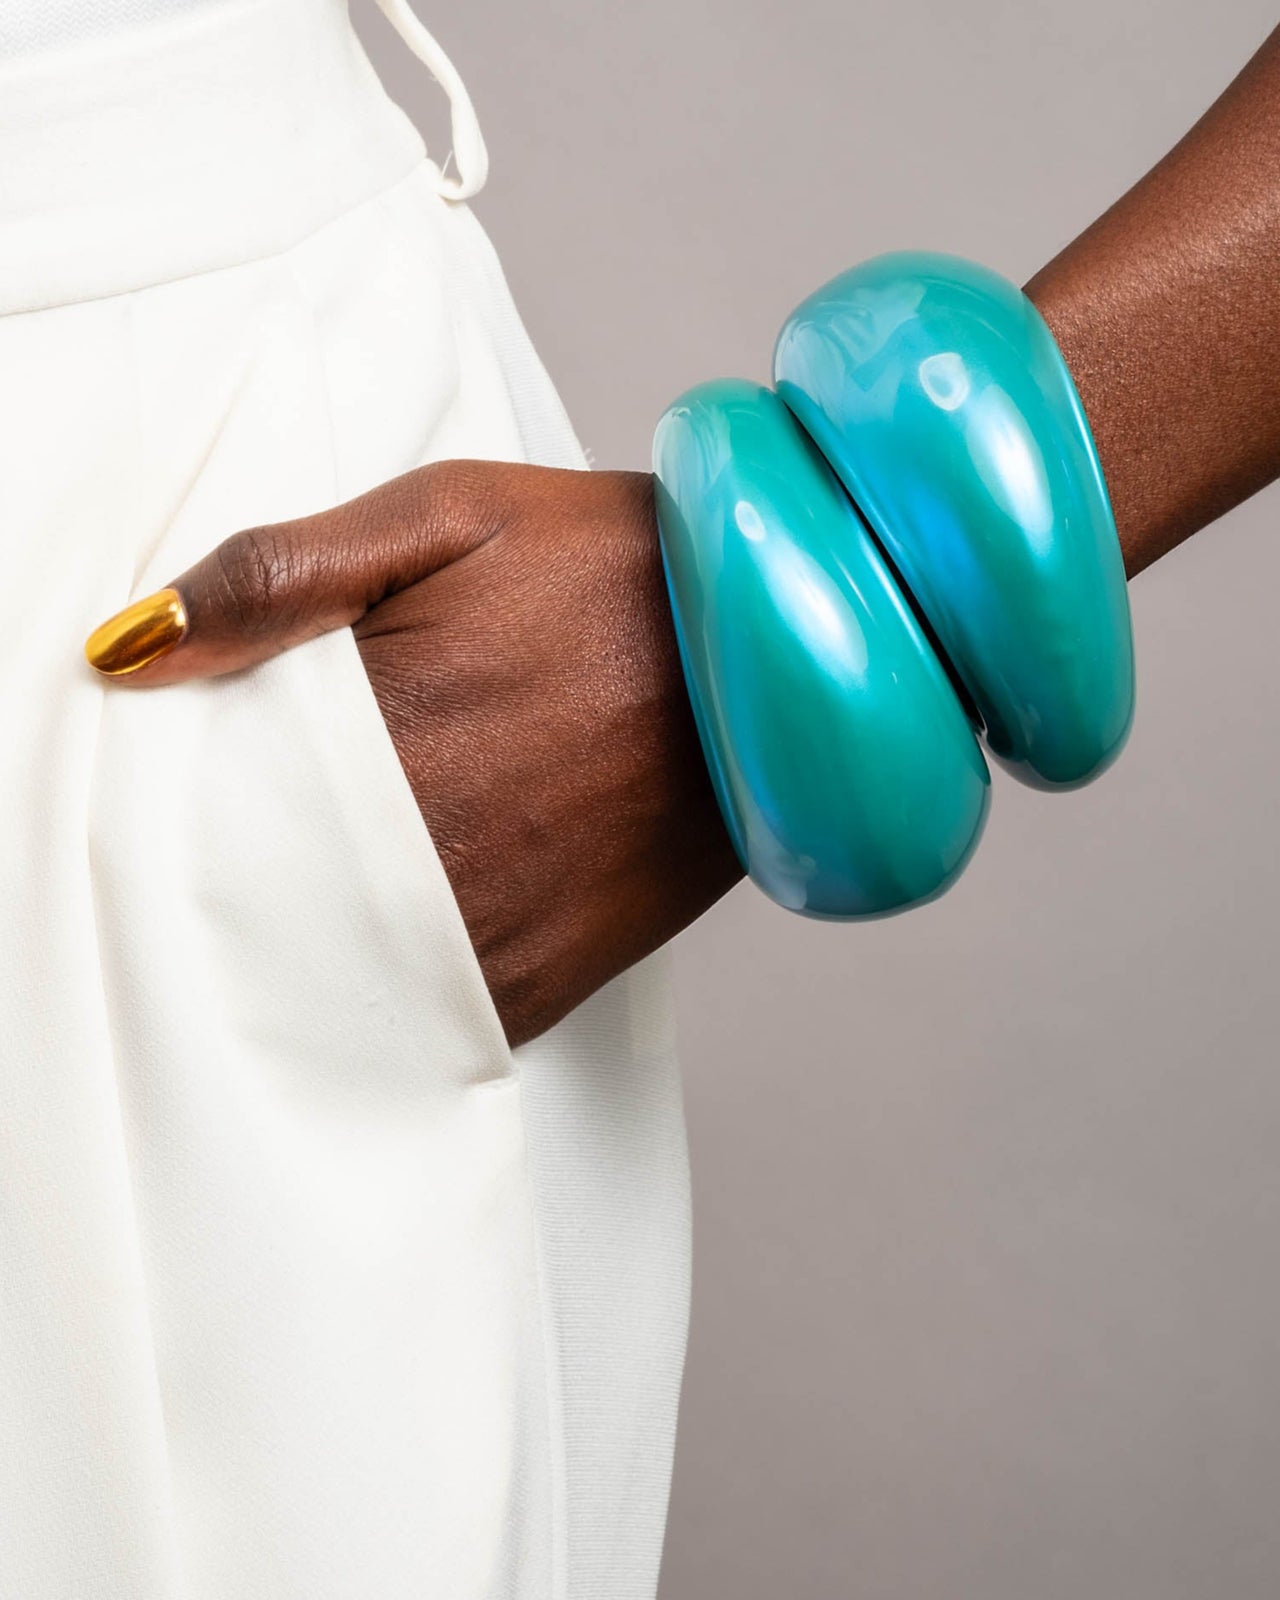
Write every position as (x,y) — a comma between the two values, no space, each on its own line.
(936,391)
(843,761)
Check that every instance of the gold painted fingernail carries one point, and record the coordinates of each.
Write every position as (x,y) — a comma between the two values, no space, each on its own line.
(137,635)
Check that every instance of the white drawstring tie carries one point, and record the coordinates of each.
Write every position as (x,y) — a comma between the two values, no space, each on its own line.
(469,154)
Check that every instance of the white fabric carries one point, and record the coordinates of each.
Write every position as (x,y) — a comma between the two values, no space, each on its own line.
(30,28)
(309,1289)
(469,153)
(27,25)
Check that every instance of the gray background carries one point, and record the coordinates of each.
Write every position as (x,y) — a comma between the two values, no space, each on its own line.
(987,1197)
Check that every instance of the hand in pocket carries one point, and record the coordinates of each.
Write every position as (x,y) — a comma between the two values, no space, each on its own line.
(515,629)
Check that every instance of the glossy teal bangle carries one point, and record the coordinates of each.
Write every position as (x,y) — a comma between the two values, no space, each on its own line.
(938,394)
(843,761)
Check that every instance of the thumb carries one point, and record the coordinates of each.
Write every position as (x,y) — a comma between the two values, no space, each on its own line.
(265,589)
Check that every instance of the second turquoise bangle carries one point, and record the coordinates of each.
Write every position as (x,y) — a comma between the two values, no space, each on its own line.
(937,393)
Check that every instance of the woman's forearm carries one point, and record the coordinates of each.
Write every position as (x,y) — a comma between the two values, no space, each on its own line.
(583,837)
(1167,309)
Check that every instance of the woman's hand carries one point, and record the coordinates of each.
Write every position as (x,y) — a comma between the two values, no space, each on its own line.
(515,628)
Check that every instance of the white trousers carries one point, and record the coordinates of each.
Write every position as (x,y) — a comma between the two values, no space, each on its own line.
(309,1288)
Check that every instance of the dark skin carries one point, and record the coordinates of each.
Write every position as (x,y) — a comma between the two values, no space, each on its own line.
(515,628)
(1167,311)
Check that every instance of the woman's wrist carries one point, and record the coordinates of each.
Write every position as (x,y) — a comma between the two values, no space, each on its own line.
(1167,314)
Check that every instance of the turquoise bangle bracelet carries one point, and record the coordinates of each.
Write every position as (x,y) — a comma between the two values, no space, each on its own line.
(835,663)
(842,758)
(937,393)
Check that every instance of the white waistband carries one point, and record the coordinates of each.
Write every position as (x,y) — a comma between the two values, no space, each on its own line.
(199,143)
